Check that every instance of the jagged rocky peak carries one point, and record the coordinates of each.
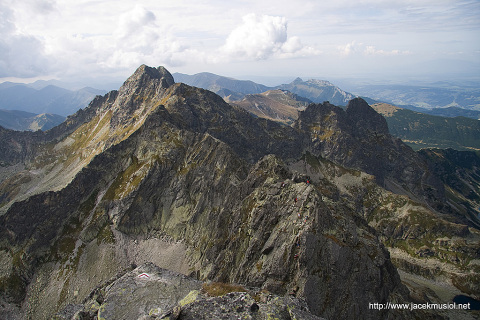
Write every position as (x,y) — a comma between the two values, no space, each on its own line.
(358,117)
(365,117)
(140,94)
(324,114)
(145,73)
(145,79)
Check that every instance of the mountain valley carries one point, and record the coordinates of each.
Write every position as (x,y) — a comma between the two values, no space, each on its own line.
(420,130)
(26,121)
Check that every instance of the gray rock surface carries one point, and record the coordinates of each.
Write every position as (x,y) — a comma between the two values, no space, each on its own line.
(149,292)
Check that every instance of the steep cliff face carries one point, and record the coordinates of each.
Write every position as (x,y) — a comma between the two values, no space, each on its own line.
(358,138)
(237,225)
(460,171)
(172,174)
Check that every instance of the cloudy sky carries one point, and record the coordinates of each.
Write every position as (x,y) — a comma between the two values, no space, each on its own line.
(109,39)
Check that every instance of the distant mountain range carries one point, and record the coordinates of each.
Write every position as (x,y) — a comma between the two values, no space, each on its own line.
(419,127)
(27,121)
(49,99)
(318,91)
(450,112)
(216,83)
(425,97)
(233,90)
(441,99)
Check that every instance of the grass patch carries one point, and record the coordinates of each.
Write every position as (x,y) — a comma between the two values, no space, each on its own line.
(128,180)
(217,289)
(106,236)
(259,266)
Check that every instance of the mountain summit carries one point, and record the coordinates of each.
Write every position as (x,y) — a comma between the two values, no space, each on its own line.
(168,174)
(365,117)
(144,77)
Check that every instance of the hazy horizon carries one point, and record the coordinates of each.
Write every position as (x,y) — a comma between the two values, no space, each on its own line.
(105,41)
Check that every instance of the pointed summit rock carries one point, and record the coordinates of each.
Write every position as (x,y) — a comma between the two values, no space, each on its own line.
(297,80)
(365,117)
(108,120)
(145,73)
(145,80)
(139,95)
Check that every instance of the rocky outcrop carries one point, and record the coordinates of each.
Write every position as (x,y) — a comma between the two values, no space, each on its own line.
(17,146)
(365,119)
(358,138)
(149,292)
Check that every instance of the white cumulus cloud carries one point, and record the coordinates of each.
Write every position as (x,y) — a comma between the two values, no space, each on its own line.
(21,55)
(139,39)
(349,48)
(262,37)
(134,21)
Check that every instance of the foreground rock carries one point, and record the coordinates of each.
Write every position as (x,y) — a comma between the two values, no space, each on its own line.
(149,292)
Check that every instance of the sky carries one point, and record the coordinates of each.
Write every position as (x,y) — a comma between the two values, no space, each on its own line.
(106,40)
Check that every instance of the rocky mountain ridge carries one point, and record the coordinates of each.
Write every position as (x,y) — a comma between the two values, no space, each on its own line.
(172,174)
(234,90)
(417,129)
